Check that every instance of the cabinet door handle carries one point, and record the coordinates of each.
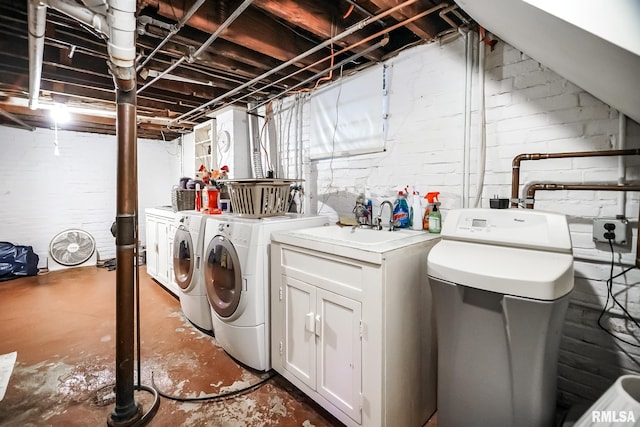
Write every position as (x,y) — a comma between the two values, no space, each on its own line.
(309,324)
(318,326)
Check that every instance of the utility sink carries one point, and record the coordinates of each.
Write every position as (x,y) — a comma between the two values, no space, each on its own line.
(355,235)
(365,244)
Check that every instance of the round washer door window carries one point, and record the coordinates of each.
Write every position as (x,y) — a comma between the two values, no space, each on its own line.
(222,276)
(183,257)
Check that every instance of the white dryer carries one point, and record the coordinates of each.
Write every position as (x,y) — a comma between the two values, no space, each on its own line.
(236,276)
(187,269)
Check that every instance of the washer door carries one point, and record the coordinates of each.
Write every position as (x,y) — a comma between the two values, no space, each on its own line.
(183,257)
(222,276)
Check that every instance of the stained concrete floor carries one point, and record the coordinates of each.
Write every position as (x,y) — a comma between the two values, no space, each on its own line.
(62,325)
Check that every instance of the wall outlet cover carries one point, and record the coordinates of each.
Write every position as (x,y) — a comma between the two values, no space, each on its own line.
(618,226)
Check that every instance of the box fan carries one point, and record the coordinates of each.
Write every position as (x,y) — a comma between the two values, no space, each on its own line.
(72,248)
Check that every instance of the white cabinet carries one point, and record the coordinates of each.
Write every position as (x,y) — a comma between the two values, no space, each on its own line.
(160,227)
(321,343)
(355,335)
(205,152)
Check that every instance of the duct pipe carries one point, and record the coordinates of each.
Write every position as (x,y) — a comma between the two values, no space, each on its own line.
(174,30)
(515,172)
(37,15)
(352,29)
(532,188)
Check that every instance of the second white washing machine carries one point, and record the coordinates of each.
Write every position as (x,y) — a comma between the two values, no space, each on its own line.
(236,277)
(188,245)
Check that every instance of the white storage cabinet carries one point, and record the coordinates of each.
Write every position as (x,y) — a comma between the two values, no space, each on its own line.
(356,336)
(161,225)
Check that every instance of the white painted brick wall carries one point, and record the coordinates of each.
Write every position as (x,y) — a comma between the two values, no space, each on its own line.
(42,195)
(529,109)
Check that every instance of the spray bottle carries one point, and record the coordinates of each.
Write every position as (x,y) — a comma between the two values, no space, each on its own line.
(401,211)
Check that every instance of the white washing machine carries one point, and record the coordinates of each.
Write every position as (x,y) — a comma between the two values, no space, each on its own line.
(188,245)
(236,277)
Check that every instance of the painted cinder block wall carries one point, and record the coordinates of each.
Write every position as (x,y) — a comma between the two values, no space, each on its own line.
(42,194)
(529,108)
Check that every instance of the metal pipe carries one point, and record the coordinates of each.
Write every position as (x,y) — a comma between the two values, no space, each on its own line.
(352,29)
(622,167)
(126,407)
(37,16)
(515,165)
(204,46)
(174,30)
(346,49)
(532,188)
(353,57)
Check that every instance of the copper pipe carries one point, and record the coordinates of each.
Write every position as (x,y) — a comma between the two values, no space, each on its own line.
(532,188)
(515,167)
(126,409)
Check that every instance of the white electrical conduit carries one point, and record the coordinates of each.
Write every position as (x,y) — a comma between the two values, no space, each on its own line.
(352,29)
(622,168)
(174,30)
(466,159)
(483,128)
(204,46)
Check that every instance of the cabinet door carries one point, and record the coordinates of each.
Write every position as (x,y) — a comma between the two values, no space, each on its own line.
(299,330)
(152,246)
(339,352)
(163,252)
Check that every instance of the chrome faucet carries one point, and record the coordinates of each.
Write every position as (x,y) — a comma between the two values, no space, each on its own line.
(378,221)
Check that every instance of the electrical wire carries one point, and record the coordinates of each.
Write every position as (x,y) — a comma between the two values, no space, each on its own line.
(213,397)
(611,296)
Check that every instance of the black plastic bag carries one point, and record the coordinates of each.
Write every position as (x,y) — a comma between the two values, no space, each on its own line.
(17,261)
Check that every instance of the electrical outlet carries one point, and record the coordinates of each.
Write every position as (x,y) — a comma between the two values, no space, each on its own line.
(615,228)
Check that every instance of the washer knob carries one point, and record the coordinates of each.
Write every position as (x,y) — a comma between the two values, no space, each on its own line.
(220,227)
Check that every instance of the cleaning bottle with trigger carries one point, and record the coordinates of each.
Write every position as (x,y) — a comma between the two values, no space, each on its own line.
(401,211)
(434,217)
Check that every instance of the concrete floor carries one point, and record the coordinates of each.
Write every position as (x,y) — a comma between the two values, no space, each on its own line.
(62,325)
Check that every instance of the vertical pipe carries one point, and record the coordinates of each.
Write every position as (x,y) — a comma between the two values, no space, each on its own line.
(37,21)
(127,190)
(466,159)
(482,154)
(622,168)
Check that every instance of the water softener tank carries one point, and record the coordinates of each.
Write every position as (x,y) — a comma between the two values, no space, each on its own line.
(501,281)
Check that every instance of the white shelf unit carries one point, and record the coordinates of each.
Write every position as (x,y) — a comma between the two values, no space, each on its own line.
(205,152)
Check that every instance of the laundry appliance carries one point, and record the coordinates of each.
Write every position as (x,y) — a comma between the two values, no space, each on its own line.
(188,245)
(236,277)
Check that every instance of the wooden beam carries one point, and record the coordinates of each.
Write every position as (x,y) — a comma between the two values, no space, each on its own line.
(423,28)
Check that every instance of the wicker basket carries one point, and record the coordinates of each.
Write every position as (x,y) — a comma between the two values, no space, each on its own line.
(259,198)
(183,200)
